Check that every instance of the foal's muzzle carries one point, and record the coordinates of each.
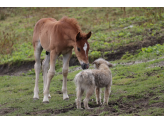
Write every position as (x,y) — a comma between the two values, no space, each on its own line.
(84,66)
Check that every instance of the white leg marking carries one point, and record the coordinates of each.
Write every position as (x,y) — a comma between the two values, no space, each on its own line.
(37,68)
(45,66)
(50,75)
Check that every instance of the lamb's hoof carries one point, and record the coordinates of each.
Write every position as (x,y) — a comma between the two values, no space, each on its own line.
(45,102)
(35,99)
(89,108)
(80,108)
(104,104)
(49,96)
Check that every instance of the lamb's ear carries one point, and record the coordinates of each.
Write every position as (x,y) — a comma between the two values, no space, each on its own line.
(97,64)
(94,62)
(109,64)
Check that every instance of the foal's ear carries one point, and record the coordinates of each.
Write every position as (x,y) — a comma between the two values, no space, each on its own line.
(78,37)
(88,35)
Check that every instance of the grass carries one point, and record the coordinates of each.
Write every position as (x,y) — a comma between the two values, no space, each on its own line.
(133,83)
(137,88)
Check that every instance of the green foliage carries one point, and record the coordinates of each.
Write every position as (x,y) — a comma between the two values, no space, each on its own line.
(95,54)
(157,50)
(150,52)
(127,56)
(24,51)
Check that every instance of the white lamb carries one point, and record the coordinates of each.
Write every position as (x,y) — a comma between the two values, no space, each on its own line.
(94,79)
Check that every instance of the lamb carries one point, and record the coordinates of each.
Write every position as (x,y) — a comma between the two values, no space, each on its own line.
(94,79)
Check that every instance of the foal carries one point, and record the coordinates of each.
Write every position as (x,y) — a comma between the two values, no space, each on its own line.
(58,37)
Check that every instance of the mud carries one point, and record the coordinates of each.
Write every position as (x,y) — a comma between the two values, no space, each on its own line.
(5,111)
(54,111)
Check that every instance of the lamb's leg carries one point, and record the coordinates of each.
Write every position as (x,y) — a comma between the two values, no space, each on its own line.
(98,95)
(89,93)
(78,100)
(106,95)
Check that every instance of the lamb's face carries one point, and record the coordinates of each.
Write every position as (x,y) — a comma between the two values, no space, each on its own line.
(100,61)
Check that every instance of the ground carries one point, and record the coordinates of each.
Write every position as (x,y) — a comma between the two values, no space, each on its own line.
(132,42)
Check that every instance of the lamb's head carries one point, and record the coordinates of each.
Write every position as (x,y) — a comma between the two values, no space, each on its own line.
(100,61)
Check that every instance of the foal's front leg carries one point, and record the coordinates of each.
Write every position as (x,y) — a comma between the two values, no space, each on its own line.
(66,58)
(50,75)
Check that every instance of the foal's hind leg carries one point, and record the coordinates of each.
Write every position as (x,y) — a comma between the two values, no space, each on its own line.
(66,58)
(45,66)
(37,67)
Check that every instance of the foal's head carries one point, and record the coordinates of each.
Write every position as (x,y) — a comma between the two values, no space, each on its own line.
(82,48)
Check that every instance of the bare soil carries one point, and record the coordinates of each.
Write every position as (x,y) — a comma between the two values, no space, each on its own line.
(16,70)
(5,111)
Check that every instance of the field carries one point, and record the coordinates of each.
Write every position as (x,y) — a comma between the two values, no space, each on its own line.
(132,40)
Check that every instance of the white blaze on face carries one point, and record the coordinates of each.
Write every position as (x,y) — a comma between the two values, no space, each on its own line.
(85,48)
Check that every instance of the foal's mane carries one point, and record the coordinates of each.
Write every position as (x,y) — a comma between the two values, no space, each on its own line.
(72,22)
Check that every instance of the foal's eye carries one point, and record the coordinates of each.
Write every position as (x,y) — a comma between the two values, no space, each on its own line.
(78,49)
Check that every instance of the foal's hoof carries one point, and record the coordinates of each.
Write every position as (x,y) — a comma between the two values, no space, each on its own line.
(66,99)
(49,96)
(45,102)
